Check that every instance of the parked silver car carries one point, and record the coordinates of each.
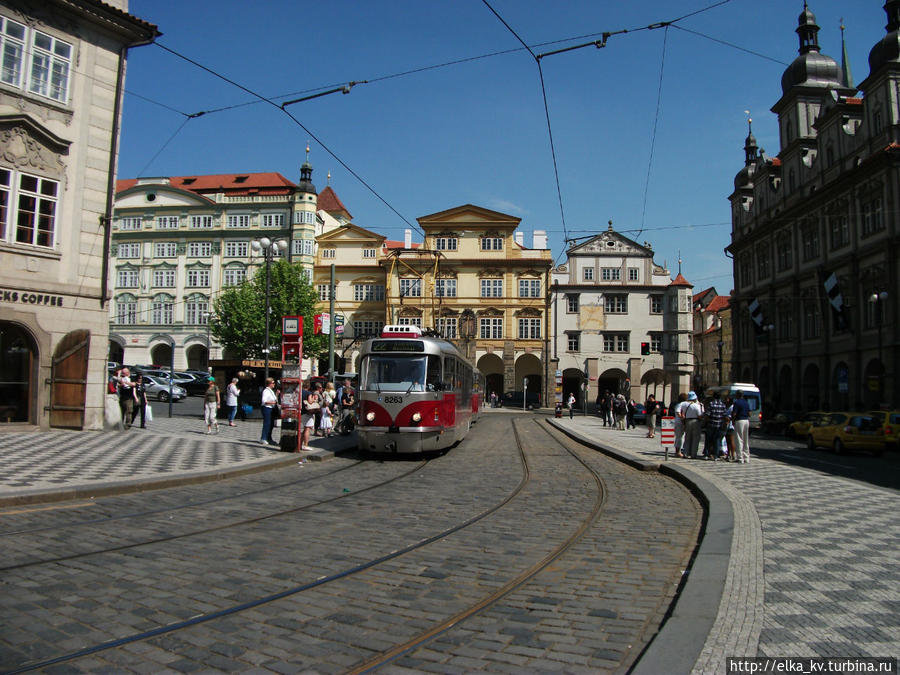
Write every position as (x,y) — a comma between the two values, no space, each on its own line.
(159,388)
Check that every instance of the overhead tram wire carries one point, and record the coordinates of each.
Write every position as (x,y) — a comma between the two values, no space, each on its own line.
(655,126)
(298,123)
(537,60)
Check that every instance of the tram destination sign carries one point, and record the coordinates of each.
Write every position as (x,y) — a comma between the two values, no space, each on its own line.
(398,346)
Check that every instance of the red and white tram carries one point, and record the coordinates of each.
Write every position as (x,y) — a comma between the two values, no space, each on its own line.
(416,393)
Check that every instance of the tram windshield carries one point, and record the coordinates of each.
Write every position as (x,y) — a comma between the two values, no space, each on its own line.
(400,373)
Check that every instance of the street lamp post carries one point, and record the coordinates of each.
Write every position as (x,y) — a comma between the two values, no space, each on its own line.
(720,344)
(878,312)
(268,248)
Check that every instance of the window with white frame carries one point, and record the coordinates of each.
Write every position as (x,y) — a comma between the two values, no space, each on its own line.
(237,249)
(201,222)
(529,329)
(304,218)
(27,208)
(198,278)
(130,223)
(126,310)
(238,220)
(872,219)
(529,288)
(446,326)
(307,274)
(165,249)
(410,321)
(492,288)
(296,247)
(167,222)
(656,304)
(368,292)
(445,288)
(615,342)
(162,311)
(127,278)
(309,246)
(196,312)
(324,291)
(273,220)
(445,243)
(163,278)
(200,249)
(656,343)
(633,274)
(573,342)
(410,288)
(611,273)
(34,61)
(491,243)
(490,329)
(329,253)
(615,303)
(367,328)
(368,253)
(587,274)
(572,303)
(128,250)
(233,276)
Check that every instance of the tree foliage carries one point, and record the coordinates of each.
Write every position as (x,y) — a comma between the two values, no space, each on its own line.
(238,320)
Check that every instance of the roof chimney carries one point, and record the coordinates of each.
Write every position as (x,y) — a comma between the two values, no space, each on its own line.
(539,240)
(407,238)
(519,237)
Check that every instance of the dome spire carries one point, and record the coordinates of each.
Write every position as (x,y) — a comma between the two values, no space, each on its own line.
(808,31)
(306,184)
(750,146)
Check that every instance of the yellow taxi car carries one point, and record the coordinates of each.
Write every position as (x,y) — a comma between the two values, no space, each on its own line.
(890,424)
(843,431)
(800,428)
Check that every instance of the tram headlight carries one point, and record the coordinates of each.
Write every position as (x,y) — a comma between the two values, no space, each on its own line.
(370,416)
(417,417)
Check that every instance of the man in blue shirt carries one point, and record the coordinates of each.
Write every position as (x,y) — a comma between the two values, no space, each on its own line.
(715,426)
(740,417)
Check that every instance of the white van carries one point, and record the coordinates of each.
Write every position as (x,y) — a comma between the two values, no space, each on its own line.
(751,394)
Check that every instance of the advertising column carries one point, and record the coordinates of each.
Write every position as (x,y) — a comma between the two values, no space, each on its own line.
(291,381)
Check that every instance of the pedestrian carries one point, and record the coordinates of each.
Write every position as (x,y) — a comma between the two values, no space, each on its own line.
(606,408)
(692,413)
(653,409)
(741,421)
(330,396)
(320,399)
(267,407)
(308,418)
(327,421)
(729,429)
(231,399)
(678,425)
(493,399)
(140,400)
(629,415)
(127,397)
(339,409)
(571,403)
(211,403)
(715,426)
(620,409)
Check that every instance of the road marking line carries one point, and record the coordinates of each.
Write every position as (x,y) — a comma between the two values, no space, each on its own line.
(820,461)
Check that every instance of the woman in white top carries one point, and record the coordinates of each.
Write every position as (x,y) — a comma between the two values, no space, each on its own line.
(231,400)
(269,401)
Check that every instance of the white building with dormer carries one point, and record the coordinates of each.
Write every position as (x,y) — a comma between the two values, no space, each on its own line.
(609,302)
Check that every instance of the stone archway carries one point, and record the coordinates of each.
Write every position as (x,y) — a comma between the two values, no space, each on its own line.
(18,374)
(611,380)
(116,352)
(783,397)
(840,387)
(491,367)
(872,385)
(197,357)
(529,365)
(653,382)
(161,355)
(571,384)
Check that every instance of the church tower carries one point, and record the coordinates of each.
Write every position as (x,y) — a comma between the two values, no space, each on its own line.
(303,227)
(882,100)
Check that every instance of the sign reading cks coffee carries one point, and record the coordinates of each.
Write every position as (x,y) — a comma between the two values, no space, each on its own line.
(31,298)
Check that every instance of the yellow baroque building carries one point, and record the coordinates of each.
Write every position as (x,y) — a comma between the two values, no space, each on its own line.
(476,283)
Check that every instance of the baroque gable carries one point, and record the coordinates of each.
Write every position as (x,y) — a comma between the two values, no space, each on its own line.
(611,244)
(25,144)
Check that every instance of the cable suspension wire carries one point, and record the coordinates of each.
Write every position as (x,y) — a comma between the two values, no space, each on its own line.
(300,124)
(655,125)
(164,145)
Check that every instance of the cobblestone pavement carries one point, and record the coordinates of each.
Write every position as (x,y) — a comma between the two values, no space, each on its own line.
(591,611)
(815,566)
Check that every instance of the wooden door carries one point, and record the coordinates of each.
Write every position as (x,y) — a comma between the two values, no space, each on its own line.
(68,380)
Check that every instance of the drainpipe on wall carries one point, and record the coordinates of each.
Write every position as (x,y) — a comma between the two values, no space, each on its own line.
(106,218)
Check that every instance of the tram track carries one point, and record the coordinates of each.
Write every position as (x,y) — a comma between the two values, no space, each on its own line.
(589,513)
(215,528)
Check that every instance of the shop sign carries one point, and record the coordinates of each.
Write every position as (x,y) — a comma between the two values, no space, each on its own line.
(29,298)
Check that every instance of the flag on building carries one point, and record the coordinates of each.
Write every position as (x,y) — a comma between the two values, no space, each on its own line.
(836,300)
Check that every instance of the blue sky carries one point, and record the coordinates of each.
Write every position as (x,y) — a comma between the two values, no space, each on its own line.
(476,132)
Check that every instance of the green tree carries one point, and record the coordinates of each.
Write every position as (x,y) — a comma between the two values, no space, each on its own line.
(238,319)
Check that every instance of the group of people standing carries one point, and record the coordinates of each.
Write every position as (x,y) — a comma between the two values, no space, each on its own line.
(132,395)
(615,410)
(727,434)
(324,408)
